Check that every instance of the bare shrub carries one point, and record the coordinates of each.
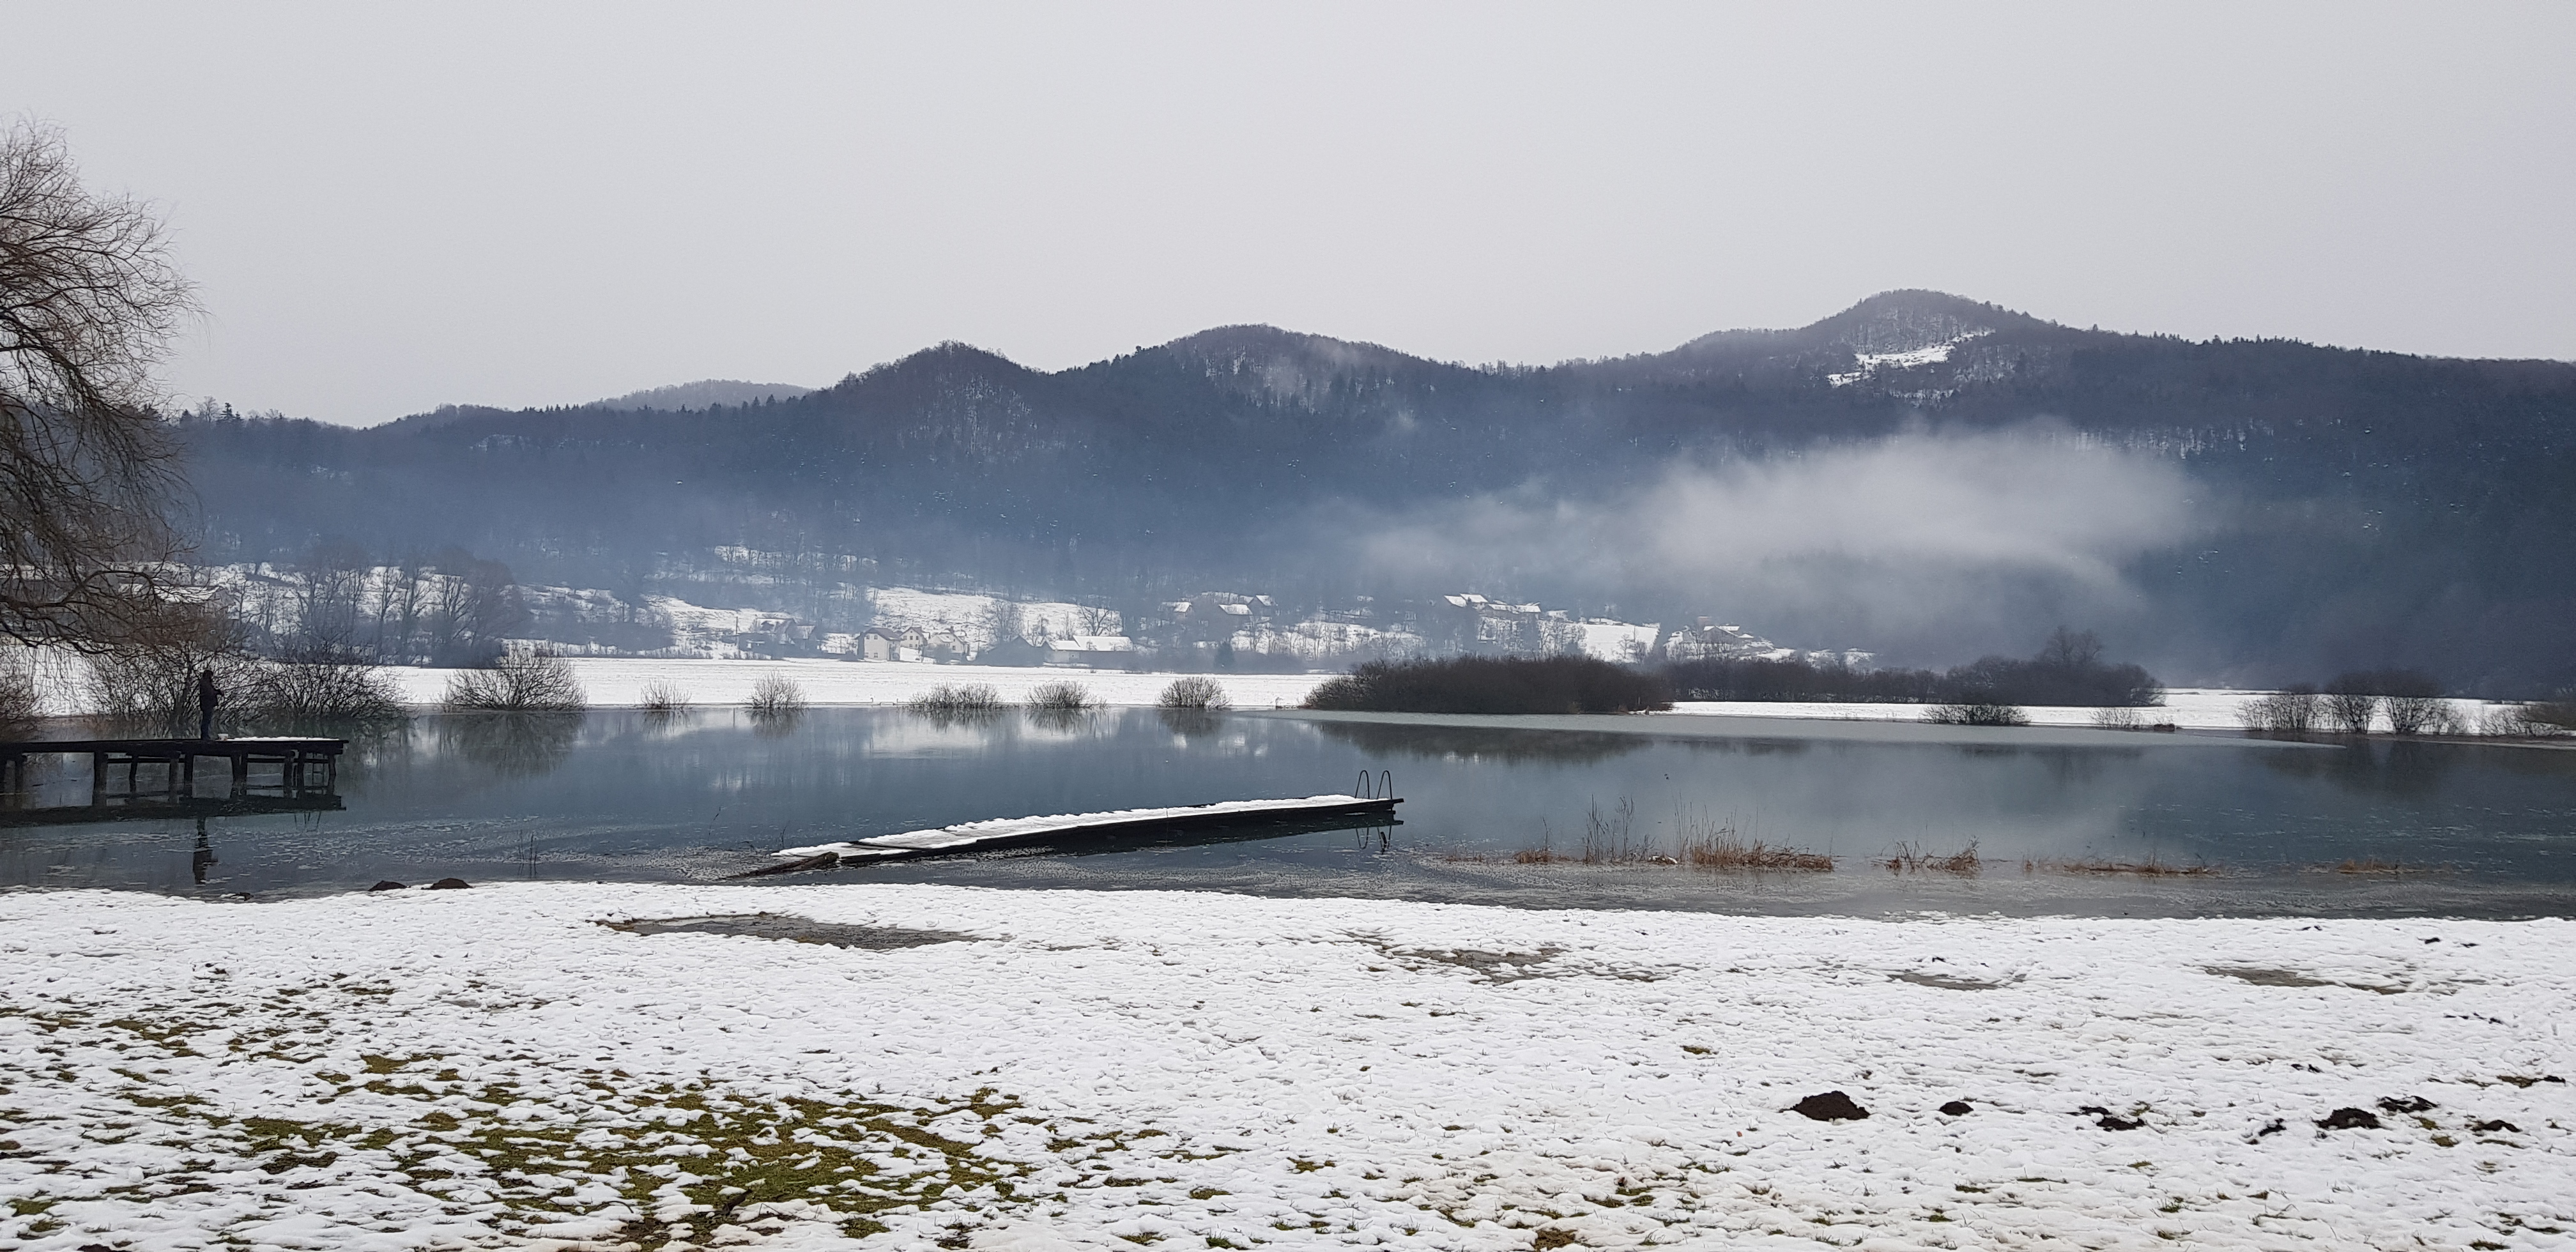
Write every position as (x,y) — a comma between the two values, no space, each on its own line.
(2413,715)
(2351,712)
(1195,692)
(145,681)
(775,695)
(2118,717)
(2293,710)
(319,684)
(660,696)
(955,698)
(1061,697)
(2526,721)
(1977,714)
(519,682)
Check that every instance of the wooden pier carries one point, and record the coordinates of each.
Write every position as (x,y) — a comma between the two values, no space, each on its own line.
(1075,830)
(304,765)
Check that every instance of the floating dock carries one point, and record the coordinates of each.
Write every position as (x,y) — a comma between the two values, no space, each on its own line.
(1071,827)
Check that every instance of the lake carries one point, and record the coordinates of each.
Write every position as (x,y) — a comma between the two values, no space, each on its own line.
(2059,821)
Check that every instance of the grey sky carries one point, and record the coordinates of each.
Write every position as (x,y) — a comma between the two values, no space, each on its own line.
(528,204)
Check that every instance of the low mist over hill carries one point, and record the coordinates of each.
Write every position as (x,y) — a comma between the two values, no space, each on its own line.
(1921,475)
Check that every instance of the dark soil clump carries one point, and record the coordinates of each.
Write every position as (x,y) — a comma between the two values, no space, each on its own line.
(1831,1106)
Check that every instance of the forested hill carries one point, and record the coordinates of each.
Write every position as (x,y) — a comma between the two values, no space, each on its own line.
(2380,508)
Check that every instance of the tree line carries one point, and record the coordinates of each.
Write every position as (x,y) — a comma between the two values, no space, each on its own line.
(2068,670)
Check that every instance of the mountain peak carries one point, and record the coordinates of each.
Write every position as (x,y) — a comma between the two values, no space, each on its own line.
(1912,320)
(1904,320)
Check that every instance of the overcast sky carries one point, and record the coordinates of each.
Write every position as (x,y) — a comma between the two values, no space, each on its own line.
(531,204)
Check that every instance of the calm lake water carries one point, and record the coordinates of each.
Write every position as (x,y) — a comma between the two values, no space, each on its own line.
(623,795)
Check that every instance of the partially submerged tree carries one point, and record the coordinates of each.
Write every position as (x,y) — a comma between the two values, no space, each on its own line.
(89,298)
(775,695)
(519,682)
(1196,693)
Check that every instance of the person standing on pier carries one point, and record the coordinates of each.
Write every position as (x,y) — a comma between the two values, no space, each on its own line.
(207,695)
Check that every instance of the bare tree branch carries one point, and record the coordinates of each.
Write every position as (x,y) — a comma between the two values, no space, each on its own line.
(89,299)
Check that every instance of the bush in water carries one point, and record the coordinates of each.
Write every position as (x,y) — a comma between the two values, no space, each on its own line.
(957,698)
(1195,692)
(519,682)
(1061,697)
(775,695)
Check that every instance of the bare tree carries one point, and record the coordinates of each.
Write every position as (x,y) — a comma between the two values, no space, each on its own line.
(89,298)
(519,682)
(471,606)
(330,595)
(146,677)
(2351,712)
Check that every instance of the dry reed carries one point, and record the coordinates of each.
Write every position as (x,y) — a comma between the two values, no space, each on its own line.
(1910,858)
(2152,867)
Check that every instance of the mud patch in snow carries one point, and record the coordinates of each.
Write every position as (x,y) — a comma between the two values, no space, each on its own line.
(792,928)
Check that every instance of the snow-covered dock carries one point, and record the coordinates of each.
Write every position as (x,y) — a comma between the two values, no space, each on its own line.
(1003,832)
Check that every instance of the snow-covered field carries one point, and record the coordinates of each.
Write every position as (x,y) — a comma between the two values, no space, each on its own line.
(617,682)
(2190,708)
(620,682)
(490,1067)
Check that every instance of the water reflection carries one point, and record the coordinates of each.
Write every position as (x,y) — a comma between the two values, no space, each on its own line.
(2373,768)
(512,745)
(1477,743)
(699,794)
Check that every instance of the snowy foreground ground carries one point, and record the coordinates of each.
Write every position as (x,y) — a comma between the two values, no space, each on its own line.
(493,1067)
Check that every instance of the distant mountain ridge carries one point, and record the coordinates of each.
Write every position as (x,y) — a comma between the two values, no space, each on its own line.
(2387,509)
(707,393)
